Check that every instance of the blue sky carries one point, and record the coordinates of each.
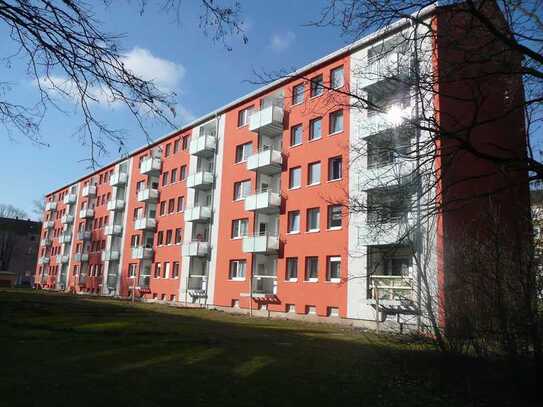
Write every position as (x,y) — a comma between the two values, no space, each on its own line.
(205,75)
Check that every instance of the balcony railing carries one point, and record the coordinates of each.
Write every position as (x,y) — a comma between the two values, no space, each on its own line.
(391,289)
(84,235)
(65,238)
(150,166)
(268,120)
(89,190)
(387,232)
(197,284)
(389,66)
(203,146)
(115,204)
(81,257)
(51,206)
(196,249)
(43,260)
(264,285)
(45,242)
(111,230)
(66,219)
(267,201)
(118,178)
(70,199)
(197,214)
(63,258)
(200,180)
(86,213)
(110,255)
(48,224)
(267,161)
(388,175)
(145,224)
(144,282)
(148,194)
(393,117)
(141,253)
(261,243)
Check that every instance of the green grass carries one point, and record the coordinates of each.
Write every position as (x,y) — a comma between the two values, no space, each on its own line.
(59,350)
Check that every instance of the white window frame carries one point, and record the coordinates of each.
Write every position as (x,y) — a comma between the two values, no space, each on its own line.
(311,211)
(246,151)
(333,119)
(332,77)
(293,130)
(307,277)
(311,127)
(292,277)
(310,167)
(333,260)
(237,226)
(295,94)
(244,190)
(237,273)
(290,216)
(330,217)
(291,178)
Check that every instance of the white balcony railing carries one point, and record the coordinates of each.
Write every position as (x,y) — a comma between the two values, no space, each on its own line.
(141,253)
(62,258)
(45,242)
(197,214)
(48,224)
(110,255)
(200,180)
(118,178)
(150,165)
(84,235)
(392,289)
(89,190)
(145,223)
(196,249)
(81,257)
(401,231)
(51,206)
(263,201)
(394,117)
(265,243)
(65,238)
(66,219)
(268,161)
(115,204)
(268,120)
(388,175)
(113,230)
(86,213)
(148,194)
(203,146)
(389,66)
(43,260)
(69,199)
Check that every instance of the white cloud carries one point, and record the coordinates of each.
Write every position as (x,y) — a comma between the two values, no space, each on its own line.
(280,42)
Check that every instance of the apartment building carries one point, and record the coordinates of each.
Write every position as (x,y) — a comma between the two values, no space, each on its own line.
(249,208)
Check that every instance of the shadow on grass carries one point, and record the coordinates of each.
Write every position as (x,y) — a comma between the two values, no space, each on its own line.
(65,350)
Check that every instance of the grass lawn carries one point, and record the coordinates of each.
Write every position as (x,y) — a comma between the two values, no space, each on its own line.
(60,350)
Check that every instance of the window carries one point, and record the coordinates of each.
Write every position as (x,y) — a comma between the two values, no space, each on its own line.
(239,228)
(162,208)
(388,205)
(169,236)
(313,219)
(314,173)
(158,269)
(336,78)
(295,177)
(173,177)
(296,133)
(242,189)
(292,269)
(243,116)
(237,269)
(140,185)
(243,152)
(185,144)
(165,179)
(167,269)
(333,269)
(132,269)
(180,204)
(298,94)
(336,122)
(168,149)
(160,238)
(311,268)
(176,146)
(294,222)
(178,236)
(334,168)
(175,269)
(182,173)
(317,86)
(315,129)
(334,216)
(171,206)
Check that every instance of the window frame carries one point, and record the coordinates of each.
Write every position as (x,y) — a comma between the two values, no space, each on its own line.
(332,117)
(290,216)
(235,276)
(309,213)
(295,94)
(290,177)
(288,275)
(308,260)
(310,166)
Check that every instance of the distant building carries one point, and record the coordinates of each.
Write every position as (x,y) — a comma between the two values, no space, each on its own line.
(19,243)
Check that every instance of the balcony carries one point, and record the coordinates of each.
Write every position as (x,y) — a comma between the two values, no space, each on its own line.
(112,230)
(148,195)
(66,219)
(144,282)
(81,257)
(267,121)
(265,244)
(391,290)
(203,146)
(115,204)
(45,242)
(390,66)
(48,224)
(63,259)
(387,175)
(267,202)
(89,190)
(150,166)
(267,161)
(51,206)
(110,255)
(84,235)
(86,213)
(43,260)
(394,117)
(65,238)
(69,199)
(393,232)
(145,224)
(196,249)
(118,178)
(200,180)
(142,253)
(198,214)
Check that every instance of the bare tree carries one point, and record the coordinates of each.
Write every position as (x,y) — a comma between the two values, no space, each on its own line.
(38,208)
(10,211)
(67,52)
(7,245)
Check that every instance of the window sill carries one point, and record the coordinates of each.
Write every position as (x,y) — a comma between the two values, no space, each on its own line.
(334,228)
(297,104)
(314,139)
(335,133)
(294,188)
(315,184)
(313,231)
(295,145)
(291,280)
(335,180)
(238,279)
(334,281)
(316,96)
(293,233)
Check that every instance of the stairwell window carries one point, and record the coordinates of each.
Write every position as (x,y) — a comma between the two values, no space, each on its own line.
(298,94)
(335,168)
(336,78)
(292,269)
(296,133)
(312,268)
(237,269)
(333,273)
(336,122)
